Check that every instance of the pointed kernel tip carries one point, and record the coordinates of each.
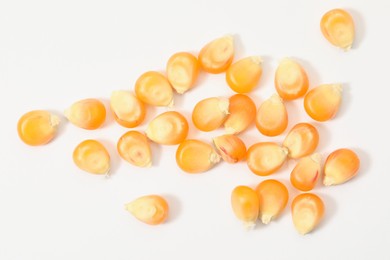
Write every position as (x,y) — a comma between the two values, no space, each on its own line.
(257,59)
(338,87)
(316,157)
(249,225)
(54,120)
(224,105)
(266,219)
(276,98)
(214,158)
(171,103)
(285,150)
(328,181)
(230,130)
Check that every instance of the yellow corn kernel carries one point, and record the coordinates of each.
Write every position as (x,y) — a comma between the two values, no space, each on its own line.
(87,113)
(323,102)
(307,211)
(182,71)
(91,156)
(302,140)
(168,128)
(216,56)
(210,113)
(273,197)
(306,173)
(194,156)
(153,88)
(338,28)
(271,117)
(291,81)
(245,205)
(134,147)
(265,158)
(244,75)
(242,112)
(37,127)
(127,109)
(231,148)
(150,209)
(340,166)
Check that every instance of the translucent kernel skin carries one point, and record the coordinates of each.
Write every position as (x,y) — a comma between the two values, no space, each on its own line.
(338,28)
(242,113)
(134,147)
(210,113)
(88,113)
(127,109)
(231,148)
(245,205)
(272,117)
(244,75)
(301,140)
(91,156)
(149,209)
(341,166)
(306,173)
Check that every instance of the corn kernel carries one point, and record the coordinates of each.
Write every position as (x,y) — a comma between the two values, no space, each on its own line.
(134,148)
(182,71)
(154,89)
(265,158)
(127,109)
(306,173)
(245,205)
(340,166)
(323,102)
(216,56)
(210,113)
(302,140)
(37,127)
(168,128)
(307,211)
(242,112)
(244,75)
(194,156)
(150,209)
(231,148)
(271,117)
(91,156)
(89,114)
(273,197)
(338,28)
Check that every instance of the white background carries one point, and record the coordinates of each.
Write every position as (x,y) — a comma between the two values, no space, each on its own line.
(53,53)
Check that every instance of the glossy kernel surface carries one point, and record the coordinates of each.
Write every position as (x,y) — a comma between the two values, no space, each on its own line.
(265,158)
(231,148)
(244,75)
(127,109)
(272,117)
(338,28)
(150,209)
(341,166)
(210,113)
(91,156)
(245,205)
(182,71)
(134,147)
(89,113)
(306,172)
(301,140)
(242,113)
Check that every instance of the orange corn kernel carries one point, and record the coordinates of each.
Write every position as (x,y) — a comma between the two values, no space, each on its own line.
(265,158)
(182,71)
(245,205)
(273,196)
(340,166)
(302,140)
(127,109)
(134,148)
(153,88)
(89,114)
(150,209)
(338,28)
(210,113)
(91,156)
(216,56)
(242,112)
(231,148)
(194,156)
(291,81)
(37,127)
(323,102)
(307,211)
(271,117)
(244,75)
(307,172)
(168,128)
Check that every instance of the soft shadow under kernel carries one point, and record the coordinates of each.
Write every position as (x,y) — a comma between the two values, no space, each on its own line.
(365,161)
(325,136)
(115,160)
(109,116)
(329,212)
(346,100)
(175,207)
(156,153)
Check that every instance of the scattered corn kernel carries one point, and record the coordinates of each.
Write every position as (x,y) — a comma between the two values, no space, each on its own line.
(242,112)
(338,28)
(210,113)
(91,156)
(307,211)
(38,127)
(87,113)
(127,109)
(340,166)
(150,209)
(245,205)
(265,158)
(231,148)
(306,173)
(273,197)
(302,140)
(244,75)
(134,147)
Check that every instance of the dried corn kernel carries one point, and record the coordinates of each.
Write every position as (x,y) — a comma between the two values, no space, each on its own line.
(37,127)
(242,112)
(91,156)
(134,147)
(265,158)
(323,102)
(168,128)
(291,81)
(231,148)
(154,89)
(245,205)
(307,172)
(302,140)
(273,197)
(216,56)
(127,109)
(87,113)
(150,209)
(194,156)
(307,211)
(244,75)
(182,71)
(338,28)
(340,166)
(210,113)
(271,117)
